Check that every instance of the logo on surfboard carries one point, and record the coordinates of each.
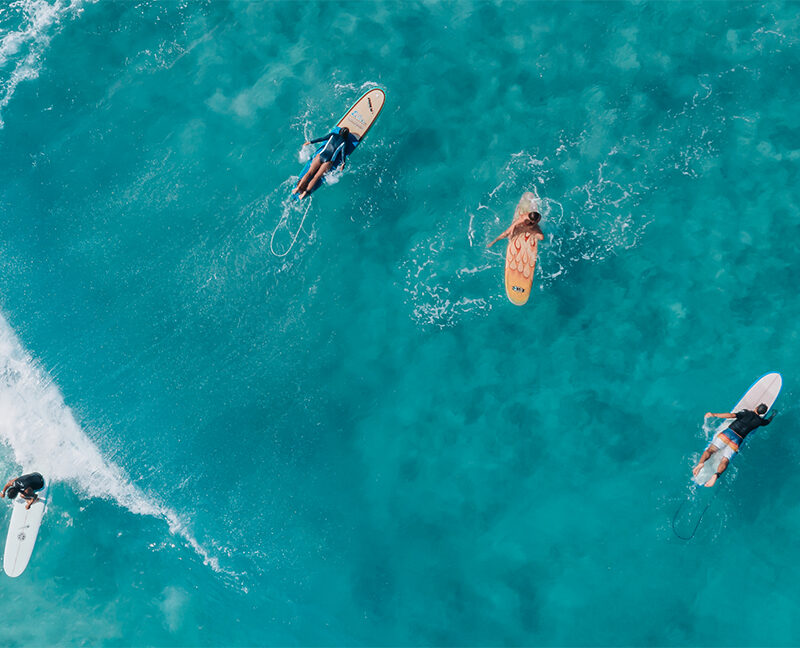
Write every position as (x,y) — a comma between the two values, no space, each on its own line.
(358,117)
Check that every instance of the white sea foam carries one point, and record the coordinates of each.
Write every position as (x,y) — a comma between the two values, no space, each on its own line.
(352,87)
(22,50)
(43,434)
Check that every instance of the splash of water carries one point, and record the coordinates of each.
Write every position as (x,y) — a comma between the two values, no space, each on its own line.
(41,431)
(22,50)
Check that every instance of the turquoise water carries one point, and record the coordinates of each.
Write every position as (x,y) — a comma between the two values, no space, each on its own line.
(363,442)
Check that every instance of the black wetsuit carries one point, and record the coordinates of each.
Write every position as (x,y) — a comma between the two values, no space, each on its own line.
(33,481)
(747,421)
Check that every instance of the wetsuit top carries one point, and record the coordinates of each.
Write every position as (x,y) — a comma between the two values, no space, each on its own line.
(32,480)
(335,150)
(747,421)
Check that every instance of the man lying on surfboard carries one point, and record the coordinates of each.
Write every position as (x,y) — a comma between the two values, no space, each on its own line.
(334,153)
(26,486)
(729,439)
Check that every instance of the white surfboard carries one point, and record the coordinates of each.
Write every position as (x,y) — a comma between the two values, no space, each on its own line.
(22,533)
(764,390)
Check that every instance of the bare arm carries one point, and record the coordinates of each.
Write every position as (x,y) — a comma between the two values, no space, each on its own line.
(505,234)
(721,415)
(31,500)
(7,486)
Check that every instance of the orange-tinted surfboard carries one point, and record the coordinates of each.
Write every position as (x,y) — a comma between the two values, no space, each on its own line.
(521,256)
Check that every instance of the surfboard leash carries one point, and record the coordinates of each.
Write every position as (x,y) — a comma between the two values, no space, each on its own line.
(281,222)
(699,519)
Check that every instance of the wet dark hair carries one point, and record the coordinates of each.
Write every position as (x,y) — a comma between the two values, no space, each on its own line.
(344,131)
(761,409)
(12,492)
(535,216)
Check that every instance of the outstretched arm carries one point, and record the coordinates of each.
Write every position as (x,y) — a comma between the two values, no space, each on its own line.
(505,234)
(319,139)
(721,415)
(6,487)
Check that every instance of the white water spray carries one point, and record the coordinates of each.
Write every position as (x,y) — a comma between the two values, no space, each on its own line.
(43,434)
(22,50)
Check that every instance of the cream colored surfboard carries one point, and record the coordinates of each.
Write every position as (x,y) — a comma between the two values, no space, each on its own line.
(521,256)
(365,111)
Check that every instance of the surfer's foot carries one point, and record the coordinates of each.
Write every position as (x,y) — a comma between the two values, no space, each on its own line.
(698,468)
(303,195)
(711,481)
(294,191)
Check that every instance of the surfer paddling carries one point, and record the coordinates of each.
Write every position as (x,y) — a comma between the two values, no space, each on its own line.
(334,153)
(526,220)
(24,486)
(523,237)
(728,440)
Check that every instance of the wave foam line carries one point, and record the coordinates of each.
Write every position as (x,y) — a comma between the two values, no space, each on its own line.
(42,432)
(22,50)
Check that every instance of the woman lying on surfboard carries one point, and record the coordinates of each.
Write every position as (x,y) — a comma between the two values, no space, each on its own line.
(524,221)
(334,153)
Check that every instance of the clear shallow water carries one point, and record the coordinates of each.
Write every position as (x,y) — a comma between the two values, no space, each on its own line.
(362,442)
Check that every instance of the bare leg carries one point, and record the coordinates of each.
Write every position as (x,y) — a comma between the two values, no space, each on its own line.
(723,464)
(709,451)
(321,171)
(312,170)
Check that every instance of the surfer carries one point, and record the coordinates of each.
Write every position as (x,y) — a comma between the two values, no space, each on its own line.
(333,153)
(729,439)
(24,486)
(525,221)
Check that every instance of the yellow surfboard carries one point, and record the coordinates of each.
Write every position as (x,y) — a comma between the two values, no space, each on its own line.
(521,256)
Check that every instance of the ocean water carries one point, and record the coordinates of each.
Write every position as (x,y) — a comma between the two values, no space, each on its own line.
(356,439)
